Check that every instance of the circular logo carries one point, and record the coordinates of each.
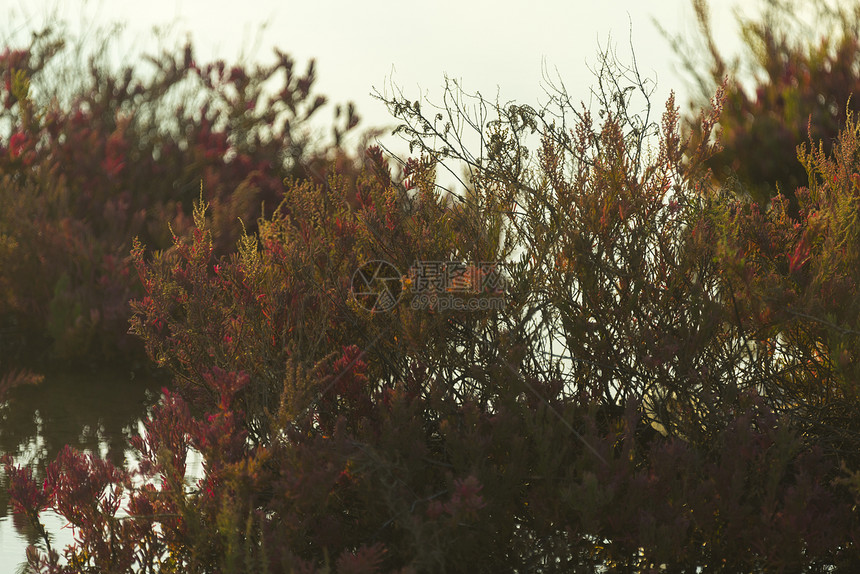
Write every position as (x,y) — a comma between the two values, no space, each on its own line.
(376,286)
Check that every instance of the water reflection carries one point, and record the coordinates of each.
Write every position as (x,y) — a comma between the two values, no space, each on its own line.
(93,413)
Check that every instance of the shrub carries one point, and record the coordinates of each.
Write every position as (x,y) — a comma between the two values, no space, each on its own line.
(611,415)
(795,281)
(92,156)
(796,80)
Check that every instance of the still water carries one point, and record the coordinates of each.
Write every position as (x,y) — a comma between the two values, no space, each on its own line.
(93,413)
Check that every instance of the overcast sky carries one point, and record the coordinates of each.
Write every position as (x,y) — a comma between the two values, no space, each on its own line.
(495,47)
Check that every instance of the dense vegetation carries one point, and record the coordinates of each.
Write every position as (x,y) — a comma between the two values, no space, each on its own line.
(796,82)
(670,385)
(92,157)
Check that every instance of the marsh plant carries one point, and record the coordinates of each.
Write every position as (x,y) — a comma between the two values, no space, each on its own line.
(670,385)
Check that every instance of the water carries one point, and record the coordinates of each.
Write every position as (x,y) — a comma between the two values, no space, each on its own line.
(93,413)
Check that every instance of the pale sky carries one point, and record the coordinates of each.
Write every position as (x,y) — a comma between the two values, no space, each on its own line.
(495,47)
